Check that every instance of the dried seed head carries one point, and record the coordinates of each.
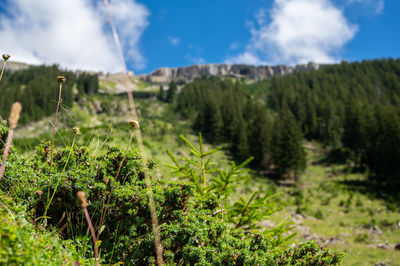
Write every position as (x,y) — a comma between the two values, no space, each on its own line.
(14,115)
(76,131)
(61,79)
(6,57)
(82,197)
(39,193)
(134,124)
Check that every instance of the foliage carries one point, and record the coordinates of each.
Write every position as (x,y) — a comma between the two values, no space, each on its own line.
(193,229)
(36,89)
(287,152)
(350,107)
(21,244)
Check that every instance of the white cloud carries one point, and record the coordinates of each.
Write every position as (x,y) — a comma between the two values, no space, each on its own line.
(297,31)
(377,5)
(246,58)
(72,33)
(195,60)
(175,41)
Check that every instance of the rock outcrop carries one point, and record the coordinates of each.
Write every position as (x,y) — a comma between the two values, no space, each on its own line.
(256,73)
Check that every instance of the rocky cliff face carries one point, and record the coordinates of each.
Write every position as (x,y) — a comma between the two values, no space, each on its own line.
(188,74)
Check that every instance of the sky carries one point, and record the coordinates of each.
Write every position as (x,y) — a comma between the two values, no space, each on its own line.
(159,33)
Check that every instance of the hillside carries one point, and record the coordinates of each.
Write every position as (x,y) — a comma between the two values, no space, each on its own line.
(336,199)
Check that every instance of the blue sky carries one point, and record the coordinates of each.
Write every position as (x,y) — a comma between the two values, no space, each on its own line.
(158,33)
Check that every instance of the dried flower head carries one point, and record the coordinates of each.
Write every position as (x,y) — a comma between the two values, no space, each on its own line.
(82,197)
(61,79)
(6,57)
(14,115)
(134,124)
(76,131)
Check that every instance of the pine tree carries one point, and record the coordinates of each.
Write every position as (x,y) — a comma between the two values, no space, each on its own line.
(171,92)
(287,152)
(161,94)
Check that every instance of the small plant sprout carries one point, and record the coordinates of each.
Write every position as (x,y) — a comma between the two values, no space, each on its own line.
(82,198)
(13,121)
(5,58)
(61,80)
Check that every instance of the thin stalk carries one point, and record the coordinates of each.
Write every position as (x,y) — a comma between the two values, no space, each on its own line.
(82,198)
(2,69)
(54,126)
(13,121)
(157,240)
(6,151)
(54,131)
(59,180)
(203,167)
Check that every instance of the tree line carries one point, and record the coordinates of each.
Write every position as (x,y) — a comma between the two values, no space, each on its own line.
(36,88)
(225,113)
(351,107)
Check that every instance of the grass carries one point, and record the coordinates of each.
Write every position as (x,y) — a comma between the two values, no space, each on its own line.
(334,211)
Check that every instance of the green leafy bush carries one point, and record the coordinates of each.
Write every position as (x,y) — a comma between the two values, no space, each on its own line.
(21,244)
(194,227)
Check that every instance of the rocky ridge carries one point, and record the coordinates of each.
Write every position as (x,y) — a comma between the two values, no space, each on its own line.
(255,73)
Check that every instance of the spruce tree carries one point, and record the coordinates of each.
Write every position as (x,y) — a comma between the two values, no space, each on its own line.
(161,94)
(287,152)
(171,92)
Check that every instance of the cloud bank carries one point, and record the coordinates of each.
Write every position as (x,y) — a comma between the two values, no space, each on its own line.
(297,31)
(72,33)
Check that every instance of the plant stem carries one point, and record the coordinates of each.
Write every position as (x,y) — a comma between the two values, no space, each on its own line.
(6,151)
(59,179)
(203,167)
(54,132)
(96,253)
(2,70)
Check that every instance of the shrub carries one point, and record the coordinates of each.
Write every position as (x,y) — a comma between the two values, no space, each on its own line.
(193,229)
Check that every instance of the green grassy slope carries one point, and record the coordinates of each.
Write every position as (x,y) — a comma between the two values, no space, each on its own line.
(322,206)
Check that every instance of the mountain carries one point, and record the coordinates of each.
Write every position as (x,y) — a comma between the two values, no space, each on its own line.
(255,73)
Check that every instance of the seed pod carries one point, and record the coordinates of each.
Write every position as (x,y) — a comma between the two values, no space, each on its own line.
(14,115)
(134,124)
(6,57)
(61,79)
(76,131)
(82,197)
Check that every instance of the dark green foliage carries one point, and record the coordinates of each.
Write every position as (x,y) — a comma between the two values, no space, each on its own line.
(224,114)
(3,134)
(21,244)
(192,227)
(287,152)
(36,88)
(352,108)
(161,94)
(171,93)
(308,253)
(88,83)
